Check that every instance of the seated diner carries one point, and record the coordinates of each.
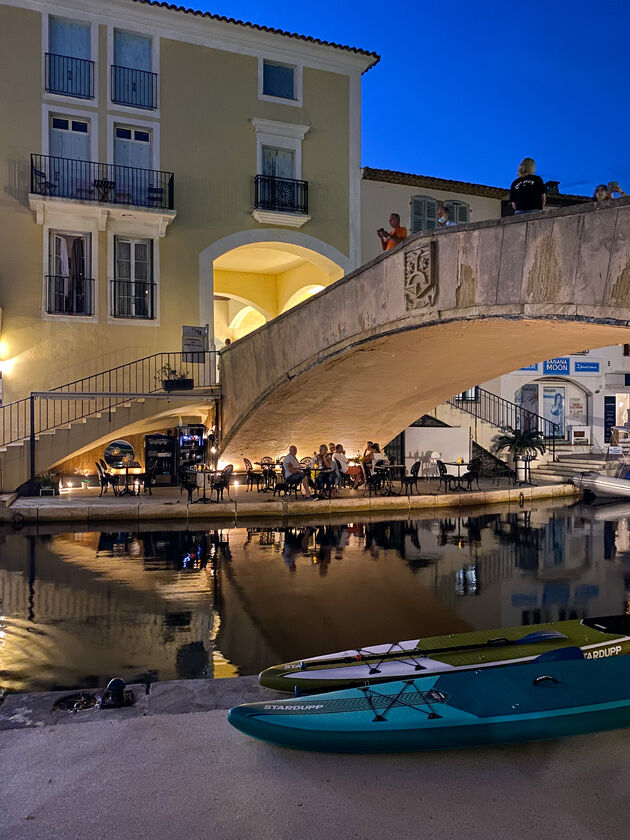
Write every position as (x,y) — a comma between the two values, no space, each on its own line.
(293,473)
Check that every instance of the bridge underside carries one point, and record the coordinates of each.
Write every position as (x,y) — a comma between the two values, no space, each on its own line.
(378,386)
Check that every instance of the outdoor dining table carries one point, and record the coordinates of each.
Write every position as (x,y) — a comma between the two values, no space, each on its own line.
(268,470)
(459,465)
(203,474)
(389,471)
(126,490)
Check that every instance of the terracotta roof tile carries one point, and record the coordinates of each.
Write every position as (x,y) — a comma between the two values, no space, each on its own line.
(375,56)
(408,179)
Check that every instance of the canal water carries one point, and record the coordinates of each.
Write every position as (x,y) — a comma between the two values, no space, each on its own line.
(77,608)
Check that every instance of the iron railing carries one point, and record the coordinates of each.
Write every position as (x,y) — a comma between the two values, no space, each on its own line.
(504,414)
(142,376)
(109,183)
(137,88)
(69,295)
(132,299)
(282,194)
(69,76)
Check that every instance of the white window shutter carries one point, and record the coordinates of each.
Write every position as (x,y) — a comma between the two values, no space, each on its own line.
(423,213)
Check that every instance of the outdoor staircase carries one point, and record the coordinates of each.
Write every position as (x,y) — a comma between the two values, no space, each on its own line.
(49,426)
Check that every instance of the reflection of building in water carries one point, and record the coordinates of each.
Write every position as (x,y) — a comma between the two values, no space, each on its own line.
(87,617)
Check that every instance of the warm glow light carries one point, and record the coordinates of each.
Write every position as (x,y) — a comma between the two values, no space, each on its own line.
(213,449)
(236,484)
(7,365)
(4,348)
(315,289)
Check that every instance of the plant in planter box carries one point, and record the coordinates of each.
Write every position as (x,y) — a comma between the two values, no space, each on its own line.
(172,379)
(48,484)
(522,444)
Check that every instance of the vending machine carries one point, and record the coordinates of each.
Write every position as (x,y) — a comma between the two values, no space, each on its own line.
(161,449)
(192,445)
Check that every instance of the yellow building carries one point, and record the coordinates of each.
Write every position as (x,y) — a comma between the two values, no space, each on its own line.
(160,168)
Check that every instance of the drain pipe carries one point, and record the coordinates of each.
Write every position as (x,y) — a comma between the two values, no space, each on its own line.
(31,484)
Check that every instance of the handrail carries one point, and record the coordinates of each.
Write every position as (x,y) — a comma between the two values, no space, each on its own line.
(33,415)
(499,412)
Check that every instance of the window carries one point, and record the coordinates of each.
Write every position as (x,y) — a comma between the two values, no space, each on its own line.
(69,70)
(470,395)
(68,284)
(423,213)
(278,162)
(132,81)
(459,212)
(133,288)
(279,82)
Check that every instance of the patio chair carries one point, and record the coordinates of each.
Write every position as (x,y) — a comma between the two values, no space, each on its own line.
(223,483)
(253,477)
(372,480)
(473,473)
(147,478)
(106,479)
(155,195)
(43,186)
(187,481)
(503,470)
(411,480)
(445,477)
(268,467)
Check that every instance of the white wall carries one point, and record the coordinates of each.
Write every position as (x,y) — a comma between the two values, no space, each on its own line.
(452,443)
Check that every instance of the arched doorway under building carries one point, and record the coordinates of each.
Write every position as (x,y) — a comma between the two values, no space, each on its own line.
(252,277)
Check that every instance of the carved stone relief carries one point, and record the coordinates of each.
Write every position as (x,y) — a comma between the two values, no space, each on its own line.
(421,286)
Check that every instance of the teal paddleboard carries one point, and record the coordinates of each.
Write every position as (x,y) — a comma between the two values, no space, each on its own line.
(551,697)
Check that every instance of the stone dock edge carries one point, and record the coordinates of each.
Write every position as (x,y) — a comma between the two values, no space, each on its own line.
(236,511)
(176,697)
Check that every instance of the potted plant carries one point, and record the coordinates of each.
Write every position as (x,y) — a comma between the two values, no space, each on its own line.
(173,380)
(48,484)
(523,445)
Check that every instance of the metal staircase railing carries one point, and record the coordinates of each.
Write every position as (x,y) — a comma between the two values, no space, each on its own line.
(46,411)
(504,414)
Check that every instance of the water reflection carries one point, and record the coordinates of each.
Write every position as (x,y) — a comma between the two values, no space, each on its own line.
(77,608)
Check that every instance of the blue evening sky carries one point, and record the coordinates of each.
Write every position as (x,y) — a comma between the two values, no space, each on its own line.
(467,88)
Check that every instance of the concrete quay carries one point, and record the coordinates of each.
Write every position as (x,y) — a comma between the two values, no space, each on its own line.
(167,774)
(85,505)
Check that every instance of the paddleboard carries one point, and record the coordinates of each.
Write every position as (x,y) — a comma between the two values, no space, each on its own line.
(597,637)
(538,700)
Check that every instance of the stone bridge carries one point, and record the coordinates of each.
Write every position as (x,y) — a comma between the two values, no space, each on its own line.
(443,312)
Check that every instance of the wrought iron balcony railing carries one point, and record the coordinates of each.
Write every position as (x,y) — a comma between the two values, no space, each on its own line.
(108,183)
(70,76)
(285,195)
(69,295)
(133,299)
(137,88)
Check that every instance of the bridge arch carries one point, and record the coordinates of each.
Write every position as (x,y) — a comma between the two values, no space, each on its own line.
(424,322)
(267,268)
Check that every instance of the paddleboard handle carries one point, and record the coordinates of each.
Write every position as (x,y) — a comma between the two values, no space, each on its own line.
(540,680)
(499,641)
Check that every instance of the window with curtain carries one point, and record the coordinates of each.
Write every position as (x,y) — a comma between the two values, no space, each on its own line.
(69,286)
(278,162)
(278,80)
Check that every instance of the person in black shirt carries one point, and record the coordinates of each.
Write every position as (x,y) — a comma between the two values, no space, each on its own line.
(527,192)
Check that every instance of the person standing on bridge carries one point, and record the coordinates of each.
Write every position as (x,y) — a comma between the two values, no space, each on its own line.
(527,192)
(395,236)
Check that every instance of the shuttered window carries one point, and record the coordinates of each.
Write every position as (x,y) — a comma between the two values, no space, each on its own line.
(459,211)
(423,213)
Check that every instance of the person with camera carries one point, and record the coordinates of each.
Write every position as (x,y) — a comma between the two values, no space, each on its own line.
(396,235)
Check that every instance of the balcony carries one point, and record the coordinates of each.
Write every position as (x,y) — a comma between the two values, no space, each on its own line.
(280,201)
(137,88)
(69,295)
(133,299)
(106,183)
(69,76)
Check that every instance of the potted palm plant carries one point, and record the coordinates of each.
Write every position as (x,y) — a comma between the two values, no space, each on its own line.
(174,380)
(523,444)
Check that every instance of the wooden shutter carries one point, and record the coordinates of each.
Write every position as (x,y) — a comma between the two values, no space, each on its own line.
(459,211)
(423,213)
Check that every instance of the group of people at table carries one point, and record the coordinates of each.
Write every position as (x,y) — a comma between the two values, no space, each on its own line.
(330,464)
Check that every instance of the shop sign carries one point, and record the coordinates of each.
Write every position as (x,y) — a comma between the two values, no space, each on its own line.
(576,406)
(528,369)
(586,367)
(555,367)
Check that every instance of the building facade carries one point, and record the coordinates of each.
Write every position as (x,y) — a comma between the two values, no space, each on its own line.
(164,167)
